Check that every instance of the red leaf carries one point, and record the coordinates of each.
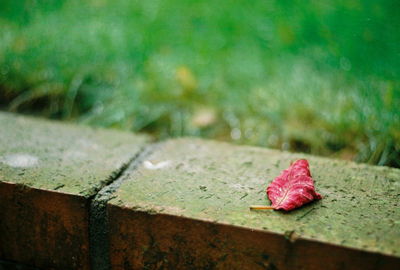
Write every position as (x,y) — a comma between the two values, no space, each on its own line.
(293,188)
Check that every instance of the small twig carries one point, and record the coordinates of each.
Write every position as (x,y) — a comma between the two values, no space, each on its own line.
(261,207)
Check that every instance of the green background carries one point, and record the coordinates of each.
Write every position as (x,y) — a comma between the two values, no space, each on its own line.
(320,77)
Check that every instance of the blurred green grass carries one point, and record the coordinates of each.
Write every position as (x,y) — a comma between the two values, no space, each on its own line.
(314,76)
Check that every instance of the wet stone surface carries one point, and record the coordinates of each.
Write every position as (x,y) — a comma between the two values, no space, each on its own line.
(57,156)
(217,182)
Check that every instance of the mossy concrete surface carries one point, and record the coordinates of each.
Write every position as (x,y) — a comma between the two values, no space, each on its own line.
(58,156)
(188,204)
(48,174)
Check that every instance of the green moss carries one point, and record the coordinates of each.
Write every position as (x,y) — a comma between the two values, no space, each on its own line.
(68,158)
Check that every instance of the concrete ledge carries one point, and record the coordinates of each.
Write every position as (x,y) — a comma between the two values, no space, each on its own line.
(72,197)
(188,205)
(48,174)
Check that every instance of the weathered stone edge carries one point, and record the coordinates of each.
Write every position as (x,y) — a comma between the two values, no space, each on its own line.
(382,261)
(98,219)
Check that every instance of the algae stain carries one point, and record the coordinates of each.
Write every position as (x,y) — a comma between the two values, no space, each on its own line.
(20,160)
(203,188)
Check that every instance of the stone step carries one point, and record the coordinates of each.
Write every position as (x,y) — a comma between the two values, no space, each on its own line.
(187,206)
(48,173)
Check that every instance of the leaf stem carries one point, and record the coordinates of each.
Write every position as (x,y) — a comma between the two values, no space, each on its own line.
(261,207)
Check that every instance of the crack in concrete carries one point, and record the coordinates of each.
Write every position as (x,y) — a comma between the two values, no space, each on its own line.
(98,227)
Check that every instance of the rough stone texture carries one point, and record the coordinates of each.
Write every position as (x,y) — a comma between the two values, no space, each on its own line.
(48,172)
(188,207)
(57,156)
(99,241)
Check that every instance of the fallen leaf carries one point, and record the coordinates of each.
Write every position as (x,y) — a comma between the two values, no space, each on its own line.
(293,188)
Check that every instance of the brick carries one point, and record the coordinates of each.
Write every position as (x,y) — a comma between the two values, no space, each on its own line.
(48,174)
(187,206)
